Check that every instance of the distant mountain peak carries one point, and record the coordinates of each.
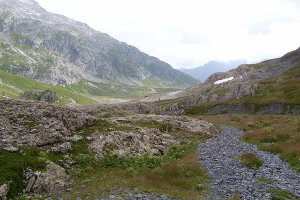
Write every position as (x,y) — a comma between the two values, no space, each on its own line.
(203,72)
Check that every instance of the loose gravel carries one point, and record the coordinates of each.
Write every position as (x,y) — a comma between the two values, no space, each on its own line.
(231,178)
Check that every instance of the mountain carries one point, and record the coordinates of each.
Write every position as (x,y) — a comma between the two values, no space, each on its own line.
(203,72)
(56,50)
(273,84)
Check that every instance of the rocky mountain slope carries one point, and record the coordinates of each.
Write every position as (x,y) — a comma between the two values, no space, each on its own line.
(203,72)
(250,80)
(57,50)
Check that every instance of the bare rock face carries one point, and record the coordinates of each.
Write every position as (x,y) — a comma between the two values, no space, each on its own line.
(130,144)
(52,181)
(3,191)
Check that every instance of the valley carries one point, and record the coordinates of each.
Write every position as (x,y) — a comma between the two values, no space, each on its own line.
(85,116)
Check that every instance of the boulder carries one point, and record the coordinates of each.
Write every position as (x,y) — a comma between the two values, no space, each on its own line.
(52,181)
(62,148)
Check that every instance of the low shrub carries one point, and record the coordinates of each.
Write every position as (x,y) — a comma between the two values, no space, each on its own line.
(250,160)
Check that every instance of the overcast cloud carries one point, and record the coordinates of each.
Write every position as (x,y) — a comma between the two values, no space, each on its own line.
(189,33)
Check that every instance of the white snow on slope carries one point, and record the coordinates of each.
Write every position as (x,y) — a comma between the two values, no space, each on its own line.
(223,80)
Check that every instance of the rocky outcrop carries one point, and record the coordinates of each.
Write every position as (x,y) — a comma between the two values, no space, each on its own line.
(46,95)
(53,180)
(141,140)
(37,123)
(181,123)
(130,144)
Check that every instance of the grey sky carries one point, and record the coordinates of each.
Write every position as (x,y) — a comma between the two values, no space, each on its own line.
(189,33)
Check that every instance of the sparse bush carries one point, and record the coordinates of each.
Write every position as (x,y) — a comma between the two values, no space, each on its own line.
(129,172)
(85,160)
(264,124)
(251,124)
(250,160)
(268,130)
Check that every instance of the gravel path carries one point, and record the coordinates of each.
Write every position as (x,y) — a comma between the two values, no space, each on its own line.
(231,178)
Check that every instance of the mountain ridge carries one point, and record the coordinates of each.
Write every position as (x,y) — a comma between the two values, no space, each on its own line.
(72,51)
(203,72)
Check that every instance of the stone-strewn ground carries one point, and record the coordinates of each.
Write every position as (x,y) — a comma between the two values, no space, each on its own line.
(231,178)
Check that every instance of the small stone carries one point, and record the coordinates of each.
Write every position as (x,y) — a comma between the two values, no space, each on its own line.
(3,191)
(11,149)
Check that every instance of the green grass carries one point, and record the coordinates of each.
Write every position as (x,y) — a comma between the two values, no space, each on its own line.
(114,89)
(177,173)
(13,85)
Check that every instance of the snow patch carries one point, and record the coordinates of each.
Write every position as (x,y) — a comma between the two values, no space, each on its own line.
(224,80)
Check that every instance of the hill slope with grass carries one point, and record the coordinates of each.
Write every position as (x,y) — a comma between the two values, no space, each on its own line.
(81,93)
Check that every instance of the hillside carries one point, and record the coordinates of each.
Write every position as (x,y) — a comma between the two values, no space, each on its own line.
(203,72)
(81,93)
(56,50)
(271,81)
